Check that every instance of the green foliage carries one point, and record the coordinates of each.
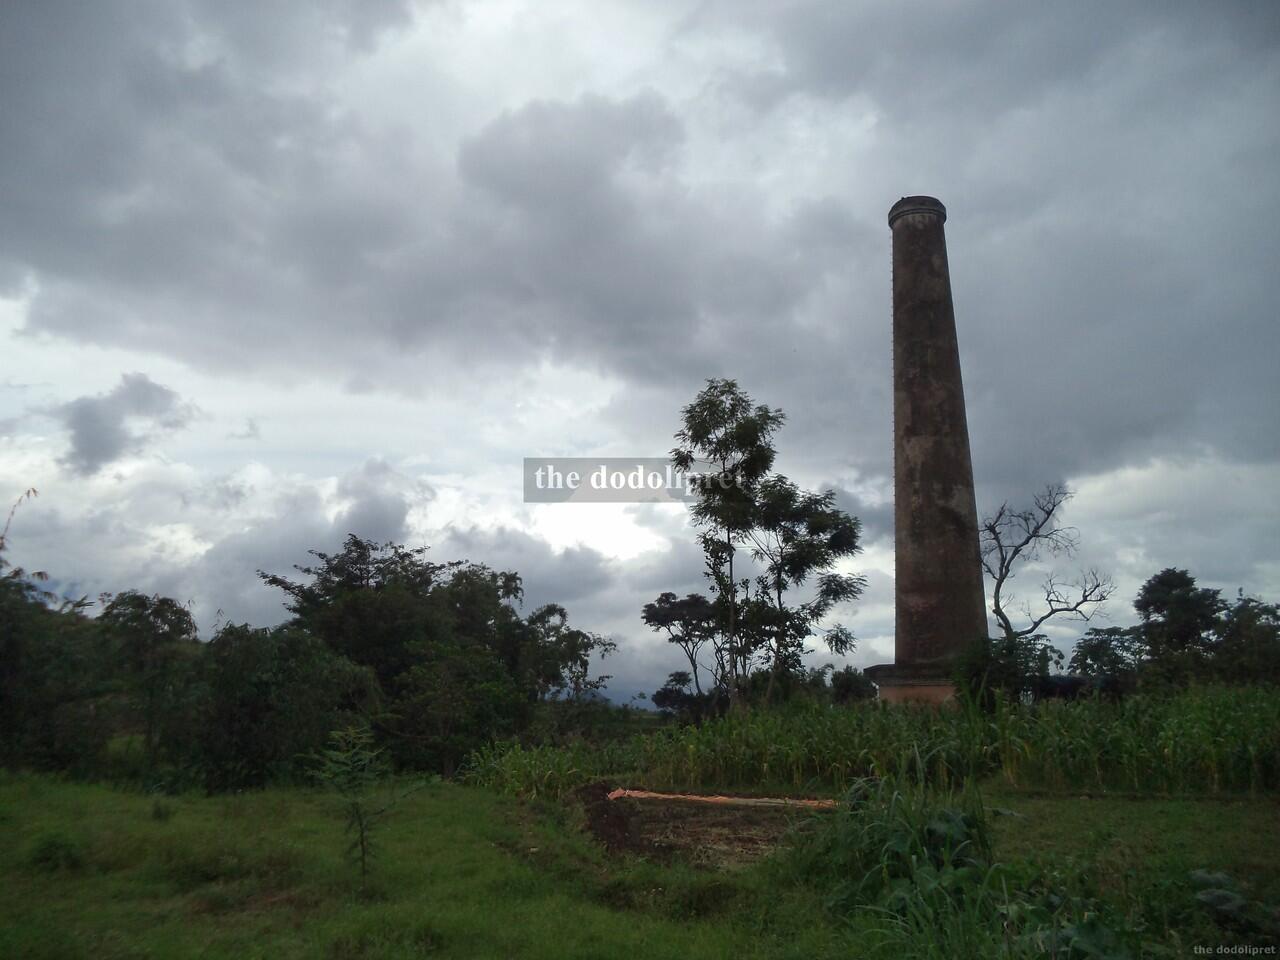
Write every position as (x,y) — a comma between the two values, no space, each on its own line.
(1208,740)
(1178,621)
(466,872)
(850,685)
(923,863)
(1188,634)
(352,767)
(453,662)
(1009,665)
(462,872)
(453,702)
(798,535)
(691,624)
(1231,907)
(56,686)
(154,650)
(261,700)
(1107,652)
(730,440)
(1248,647)
(889,836)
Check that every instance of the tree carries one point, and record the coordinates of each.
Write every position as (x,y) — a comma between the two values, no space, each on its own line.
(455,662)
(675,697)
(690,624)
(849,685)
(352,767)
(567,653)
(154,638)
(798,535)
(1012,539)
(1249,642)
(54,667)
(374,604)
(1179,623)
(1108,652)
(1015,666)
(263,699)
(453,702)
(724,430)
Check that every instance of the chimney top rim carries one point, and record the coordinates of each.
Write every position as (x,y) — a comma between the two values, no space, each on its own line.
(926,205)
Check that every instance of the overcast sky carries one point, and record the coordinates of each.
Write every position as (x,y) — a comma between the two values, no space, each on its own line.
(275,272)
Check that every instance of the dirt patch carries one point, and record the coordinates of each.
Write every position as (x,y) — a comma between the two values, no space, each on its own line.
(612,822)
(719,837)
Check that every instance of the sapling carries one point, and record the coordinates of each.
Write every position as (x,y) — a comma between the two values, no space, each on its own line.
(352,767)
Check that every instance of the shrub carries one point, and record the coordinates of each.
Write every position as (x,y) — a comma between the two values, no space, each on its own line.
(54,851)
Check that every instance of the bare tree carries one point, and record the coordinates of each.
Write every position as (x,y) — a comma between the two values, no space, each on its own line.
(1012,538)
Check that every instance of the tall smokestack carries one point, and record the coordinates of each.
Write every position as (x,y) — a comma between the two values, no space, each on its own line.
(940,605)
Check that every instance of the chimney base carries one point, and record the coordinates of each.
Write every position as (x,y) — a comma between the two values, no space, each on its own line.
(896,683)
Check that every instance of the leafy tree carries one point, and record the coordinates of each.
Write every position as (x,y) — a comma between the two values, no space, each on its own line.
(455,662)
(457,699)
(374,604)
(675,697)
(154,639)
(566,655)
(264,699)
(55,706)
(849,685)
(798,535)
(731,437)
(1014,666)
(1179,622)
(690,624)
(1107,652)
(1248,649)
(53,669)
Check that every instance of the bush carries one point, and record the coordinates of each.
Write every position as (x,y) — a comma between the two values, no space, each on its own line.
(55,851)
(264,699)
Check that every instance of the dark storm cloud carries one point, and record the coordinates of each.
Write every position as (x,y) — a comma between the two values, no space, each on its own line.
(565,577)
(379,500)
(1112,218)
(376,501)
(931,59)
(227,212)
(109,425)
(876,517)
(1112,214)
(182,178)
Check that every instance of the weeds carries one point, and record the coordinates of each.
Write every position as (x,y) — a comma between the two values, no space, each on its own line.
(916,866)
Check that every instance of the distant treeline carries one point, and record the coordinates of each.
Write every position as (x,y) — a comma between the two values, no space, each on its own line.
(1186,634)
(435,657)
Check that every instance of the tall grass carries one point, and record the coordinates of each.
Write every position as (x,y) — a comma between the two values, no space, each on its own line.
(913,868)
(1208,740)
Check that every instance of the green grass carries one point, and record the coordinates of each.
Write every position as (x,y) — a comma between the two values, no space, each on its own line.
(95,872)
(91,872)
(1131,837)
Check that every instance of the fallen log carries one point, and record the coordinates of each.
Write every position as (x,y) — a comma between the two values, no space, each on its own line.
(731,801)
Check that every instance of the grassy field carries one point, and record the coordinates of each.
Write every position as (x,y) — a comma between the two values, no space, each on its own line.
(94,872)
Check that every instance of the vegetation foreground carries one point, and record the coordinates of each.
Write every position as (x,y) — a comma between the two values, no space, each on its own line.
(939,849)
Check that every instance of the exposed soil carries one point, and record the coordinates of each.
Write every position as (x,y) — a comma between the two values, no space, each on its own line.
(706,835)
